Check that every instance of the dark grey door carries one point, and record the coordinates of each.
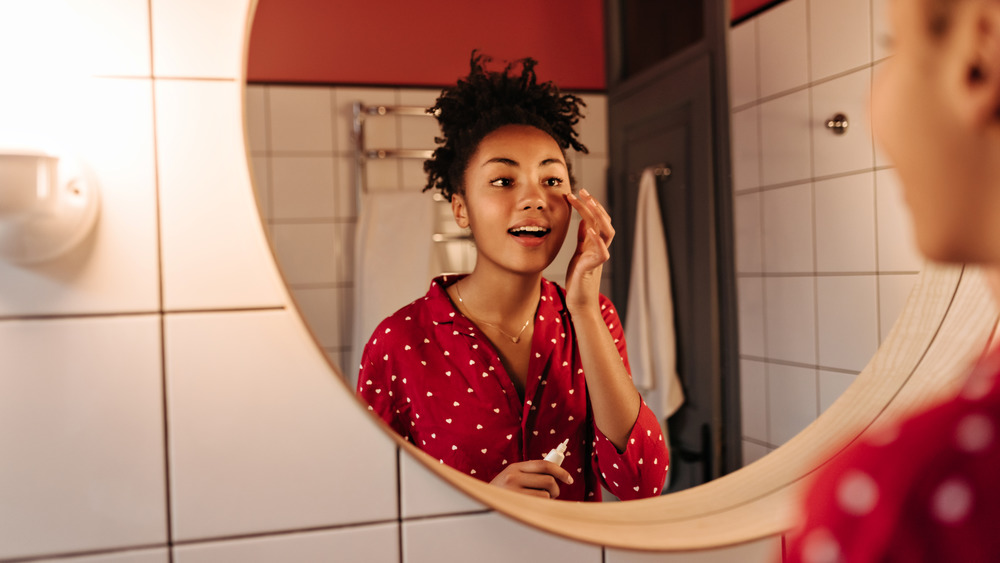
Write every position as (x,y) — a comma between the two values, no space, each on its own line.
(669,117)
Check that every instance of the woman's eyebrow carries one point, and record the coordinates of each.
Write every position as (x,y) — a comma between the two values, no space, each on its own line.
(502,160)
(511,162)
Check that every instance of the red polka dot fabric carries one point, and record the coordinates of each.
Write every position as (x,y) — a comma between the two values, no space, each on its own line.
(431,375)
(925,489)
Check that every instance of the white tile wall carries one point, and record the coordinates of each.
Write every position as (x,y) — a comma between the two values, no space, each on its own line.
(821,212)
(845,224)
(742,63)
(487,538)
(787,220)
(208,45)
(839,36)
(253,417)
(783,47)
(81,431)
(116,268)
(423,493)
(259,423)
(138,556)
(357,543)
(204,178)
(791,401)
(762,551)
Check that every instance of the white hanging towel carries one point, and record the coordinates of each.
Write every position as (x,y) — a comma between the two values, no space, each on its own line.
(392,260)
(649,321)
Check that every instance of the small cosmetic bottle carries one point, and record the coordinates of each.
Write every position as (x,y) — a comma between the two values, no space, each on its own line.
(557,454)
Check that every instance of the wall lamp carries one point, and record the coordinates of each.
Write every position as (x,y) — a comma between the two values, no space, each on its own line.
(48,205)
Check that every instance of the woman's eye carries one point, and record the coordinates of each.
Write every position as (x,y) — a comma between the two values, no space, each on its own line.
(501,182)
(553,182)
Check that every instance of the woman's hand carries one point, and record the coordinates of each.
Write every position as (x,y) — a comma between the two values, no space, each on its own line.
(538,478)
(583,277)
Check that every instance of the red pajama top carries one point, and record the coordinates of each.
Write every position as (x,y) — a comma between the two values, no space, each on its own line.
(926,489)
(431,375)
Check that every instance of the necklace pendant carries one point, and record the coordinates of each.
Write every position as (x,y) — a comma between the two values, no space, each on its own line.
(516,339)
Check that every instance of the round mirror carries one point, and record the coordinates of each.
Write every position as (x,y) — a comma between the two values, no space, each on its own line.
(822,261)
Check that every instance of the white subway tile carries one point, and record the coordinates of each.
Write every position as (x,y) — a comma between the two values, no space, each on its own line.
(832,385)
(839,36)
(194,39)
(897,246)
(786,141)
(881,30)
(748,234)
(593,128)
(751,316)
(303,187)
(345,188)
(881,158)
(344,99)
(301,119)
(108,126)
(117,36)
(382,175)
(743,63)
(787,218)
(423,493)
(893,291)
(81,431)
(412,175)
(782,47)
(375,543)
(849,95)
(753,399)
(591,174)
(214,251)
(418,131)
(845,224)
(258,439)
(67,37)
(486,538)
(766,550)
(421,97)
(792,397)
(257,118)
(848,321)
(260,167)
(745,149)
(312,253)
(158,555)
(790,319)
(325,314)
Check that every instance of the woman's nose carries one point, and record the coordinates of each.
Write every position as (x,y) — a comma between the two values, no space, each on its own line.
(533,198)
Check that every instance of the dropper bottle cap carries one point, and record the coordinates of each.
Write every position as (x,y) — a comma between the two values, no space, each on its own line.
(557,455)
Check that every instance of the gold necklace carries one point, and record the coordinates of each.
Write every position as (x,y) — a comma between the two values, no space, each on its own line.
(514,339)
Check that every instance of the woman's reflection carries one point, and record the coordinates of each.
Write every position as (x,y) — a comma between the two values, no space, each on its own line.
(490,371)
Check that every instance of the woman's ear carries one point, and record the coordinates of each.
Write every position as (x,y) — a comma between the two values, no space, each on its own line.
(460,210)
(977,42)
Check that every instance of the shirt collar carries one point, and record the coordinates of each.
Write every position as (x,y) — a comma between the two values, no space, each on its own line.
(442,310)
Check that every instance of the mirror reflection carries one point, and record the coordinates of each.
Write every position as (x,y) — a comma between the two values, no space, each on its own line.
(822,251)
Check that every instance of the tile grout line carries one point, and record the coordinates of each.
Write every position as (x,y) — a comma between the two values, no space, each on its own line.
(164,387)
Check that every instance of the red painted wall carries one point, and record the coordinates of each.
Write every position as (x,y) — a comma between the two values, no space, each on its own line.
(741,8)
(424,42)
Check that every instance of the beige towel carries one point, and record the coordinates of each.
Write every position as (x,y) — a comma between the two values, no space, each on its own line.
(392,261)
(649,321)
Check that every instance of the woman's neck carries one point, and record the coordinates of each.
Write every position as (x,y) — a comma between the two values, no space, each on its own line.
(496,296)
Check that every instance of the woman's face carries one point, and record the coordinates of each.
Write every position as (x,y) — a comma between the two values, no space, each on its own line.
(515,186)
(939,158)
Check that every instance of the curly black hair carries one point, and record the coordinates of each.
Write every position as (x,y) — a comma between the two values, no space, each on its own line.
(484,101)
